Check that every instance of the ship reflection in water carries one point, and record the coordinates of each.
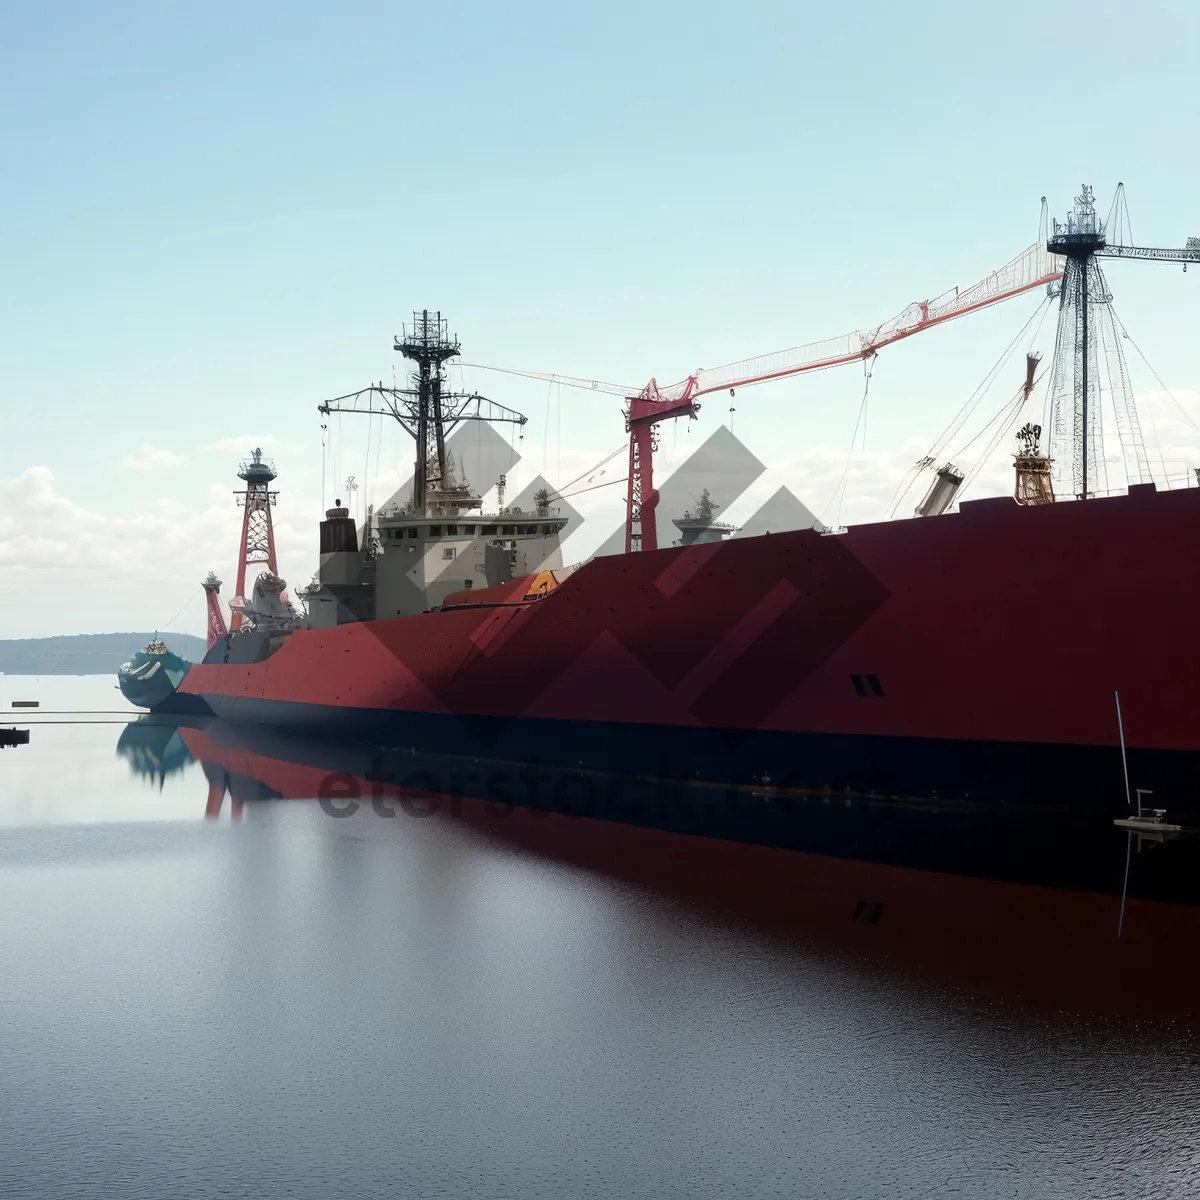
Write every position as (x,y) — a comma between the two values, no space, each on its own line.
(1119,945)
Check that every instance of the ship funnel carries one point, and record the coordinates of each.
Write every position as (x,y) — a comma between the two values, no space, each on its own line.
(941,492)
(338,531)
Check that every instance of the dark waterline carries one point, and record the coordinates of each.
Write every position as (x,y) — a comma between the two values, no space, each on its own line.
(296,1005)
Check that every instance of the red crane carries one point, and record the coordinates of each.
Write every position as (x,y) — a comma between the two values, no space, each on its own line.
(257,545)
(1030,269)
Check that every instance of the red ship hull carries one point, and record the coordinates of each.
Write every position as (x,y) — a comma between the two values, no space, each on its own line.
(974,655)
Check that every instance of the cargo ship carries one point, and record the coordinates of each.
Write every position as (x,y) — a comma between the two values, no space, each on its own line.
(976,656)
(1008,656)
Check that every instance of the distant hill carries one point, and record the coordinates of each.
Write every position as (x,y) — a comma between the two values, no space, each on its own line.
(87,653)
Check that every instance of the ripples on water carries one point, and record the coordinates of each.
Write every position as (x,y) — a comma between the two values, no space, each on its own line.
(294,1005)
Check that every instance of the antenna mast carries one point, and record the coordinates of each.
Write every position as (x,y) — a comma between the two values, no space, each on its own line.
(429,344)
(427,412)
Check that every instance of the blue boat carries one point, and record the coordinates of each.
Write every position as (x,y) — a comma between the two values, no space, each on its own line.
(152,676)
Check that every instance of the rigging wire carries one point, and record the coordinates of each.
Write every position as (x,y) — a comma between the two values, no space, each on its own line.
(367,467)
(163,628)
(1125,334)
(1005,426)
(621,449)
(868,367)
(969,405)
(324,452)
(478,451)
(586,385)
(1118,222)
(1041,322)
(378,452)
(981,390)
(1020,391)
(865,411)
(340,443)
(1018,395)
(906,482)
(1007,416)
(1113,229)
(580,492)
(379,444)
(546,430)
(1157,445)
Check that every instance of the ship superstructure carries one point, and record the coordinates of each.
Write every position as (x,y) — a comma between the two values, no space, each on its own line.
(411,555)
(415,561)
(701,527)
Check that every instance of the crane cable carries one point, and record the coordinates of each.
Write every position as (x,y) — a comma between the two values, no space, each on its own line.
(621,449)
(367,476)
(1162,465)
(972,402)
(968,407)
(1020,391)
(378,451)
(606,483)
(1015,404)
(906,482)
(1158,378)
(164,628)
(868,367)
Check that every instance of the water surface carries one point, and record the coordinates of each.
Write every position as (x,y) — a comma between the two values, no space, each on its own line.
(288,1004)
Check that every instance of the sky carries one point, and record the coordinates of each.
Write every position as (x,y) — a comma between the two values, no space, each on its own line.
(218,216)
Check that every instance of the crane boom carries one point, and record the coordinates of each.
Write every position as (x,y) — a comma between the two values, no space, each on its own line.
(1030,269)
(1190,253)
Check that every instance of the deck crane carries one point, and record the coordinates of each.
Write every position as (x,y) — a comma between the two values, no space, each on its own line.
(653,404)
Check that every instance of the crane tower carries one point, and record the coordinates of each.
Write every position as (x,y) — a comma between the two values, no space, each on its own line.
(258,534)
(1081,376)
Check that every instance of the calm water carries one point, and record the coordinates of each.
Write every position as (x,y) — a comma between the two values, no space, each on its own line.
(292,1005)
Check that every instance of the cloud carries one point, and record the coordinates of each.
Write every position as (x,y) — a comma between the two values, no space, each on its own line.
(27,551)
(65,568)
(147,458)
